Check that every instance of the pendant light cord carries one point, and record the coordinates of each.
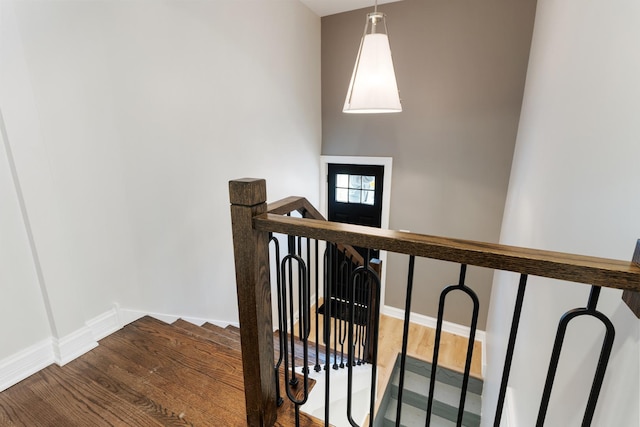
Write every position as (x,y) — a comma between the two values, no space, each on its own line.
(375,7)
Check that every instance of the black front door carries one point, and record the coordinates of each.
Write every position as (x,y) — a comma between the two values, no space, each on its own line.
(355,194)
(354,197)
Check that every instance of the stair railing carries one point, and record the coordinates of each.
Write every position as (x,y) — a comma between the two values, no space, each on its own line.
(253,223)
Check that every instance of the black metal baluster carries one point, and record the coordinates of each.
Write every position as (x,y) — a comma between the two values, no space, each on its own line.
(317,367)
(300,316)
(344,276)
(350,348)
(291,242)
(366,313)
(356,308)
(303,289)
(375,282)
(474,321)
(405,337)
(281,333)
(605,352)
(306,311)
(335,318)
(510,348)
(472,337)
(343,298)
(327,330)
(361,273)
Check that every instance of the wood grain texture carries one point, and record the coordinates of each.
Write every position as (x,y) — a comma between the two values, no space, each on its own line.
(148,374)
(632,298)
(557,265)
(251,254)
(307,210)
(247,191)
(295,204)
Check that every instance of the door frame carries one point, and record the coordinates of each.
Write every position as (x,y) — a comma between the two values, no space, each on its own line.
(387,162)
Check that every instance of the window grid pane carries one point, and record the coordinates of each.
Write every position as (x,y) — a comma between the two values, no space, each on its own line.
(368,197)
(355,189)
(355,181)
(342,195)
(368,182)
(342,180)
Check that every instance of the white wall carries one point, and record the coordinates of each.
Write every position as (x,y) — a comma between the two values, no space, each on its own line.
(229,89)
(574,188)
(126,121)
(21,303)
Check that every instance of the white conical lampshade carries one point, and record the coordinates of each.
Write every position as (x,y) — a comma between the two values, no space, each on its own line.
(373,87)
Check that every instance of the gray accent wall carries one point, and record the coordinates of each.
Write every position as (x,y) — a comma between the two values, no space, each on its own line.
(461,68)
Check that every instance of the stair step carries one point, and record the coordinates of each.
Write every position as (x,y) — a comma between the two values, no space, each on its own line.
(227,381)
(167,401)
(225,336)
(201,332)
(416,389)
(147,374)
(233,329)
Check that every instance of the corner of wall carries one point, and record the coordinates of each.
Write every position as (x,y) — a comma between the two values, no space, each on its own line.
(61,351)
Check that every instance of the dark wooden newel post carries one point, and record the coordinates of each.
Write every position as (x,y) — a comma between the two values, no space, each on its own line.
(251,250)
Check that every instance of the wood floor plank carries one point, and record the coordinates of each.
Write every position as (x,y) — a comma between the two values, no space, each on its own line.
(177,349)
(24,408)
(224,336)
(219,380)
(86,402)
(139,394)
(177,395)
(148,374)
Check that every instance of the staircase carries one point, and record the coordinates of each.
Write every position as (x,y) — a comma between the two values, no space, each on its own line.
(416,389)
(149,373)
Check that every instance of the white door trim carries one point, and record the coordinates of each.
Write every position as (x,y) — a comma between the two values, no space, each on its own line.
(387,162)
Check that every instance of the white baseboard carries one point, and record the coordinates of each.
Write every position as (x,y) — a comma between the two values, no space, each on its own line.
(130,315)
(105,324)
(61,351)
(450,327)
(86,338)
(73,345)
(25,363)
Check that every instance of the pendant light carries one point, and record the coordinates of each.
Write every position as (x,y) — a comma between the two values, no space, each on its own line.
(373,87)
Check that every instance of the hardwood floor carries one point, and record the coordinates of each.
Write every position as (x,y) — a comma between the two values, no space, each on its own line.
(147,374)
(153,374)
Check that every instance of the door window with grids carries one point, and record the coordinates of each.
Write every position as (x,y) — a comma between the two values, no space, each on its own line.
(355,189)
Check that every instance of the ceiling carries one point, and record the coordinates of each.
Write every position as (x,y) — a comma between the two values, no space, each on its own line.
(330,7)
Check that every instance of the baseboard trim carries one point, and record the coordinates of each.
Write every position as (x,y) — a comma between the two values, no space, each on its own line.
(25,363)
(105,324)
(72,346)
(432,322)
(61,351)
(130,315)
(86,338)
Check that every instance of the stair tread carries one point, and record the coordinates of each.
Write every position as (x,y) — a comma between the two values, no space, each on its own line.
(143,384)
(147,374)
(223,335)
(198,331)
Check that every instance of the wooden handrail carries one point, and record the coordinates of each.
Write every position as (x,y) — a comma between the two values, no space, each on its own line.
(253,220)
(557,265)
(307,210)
